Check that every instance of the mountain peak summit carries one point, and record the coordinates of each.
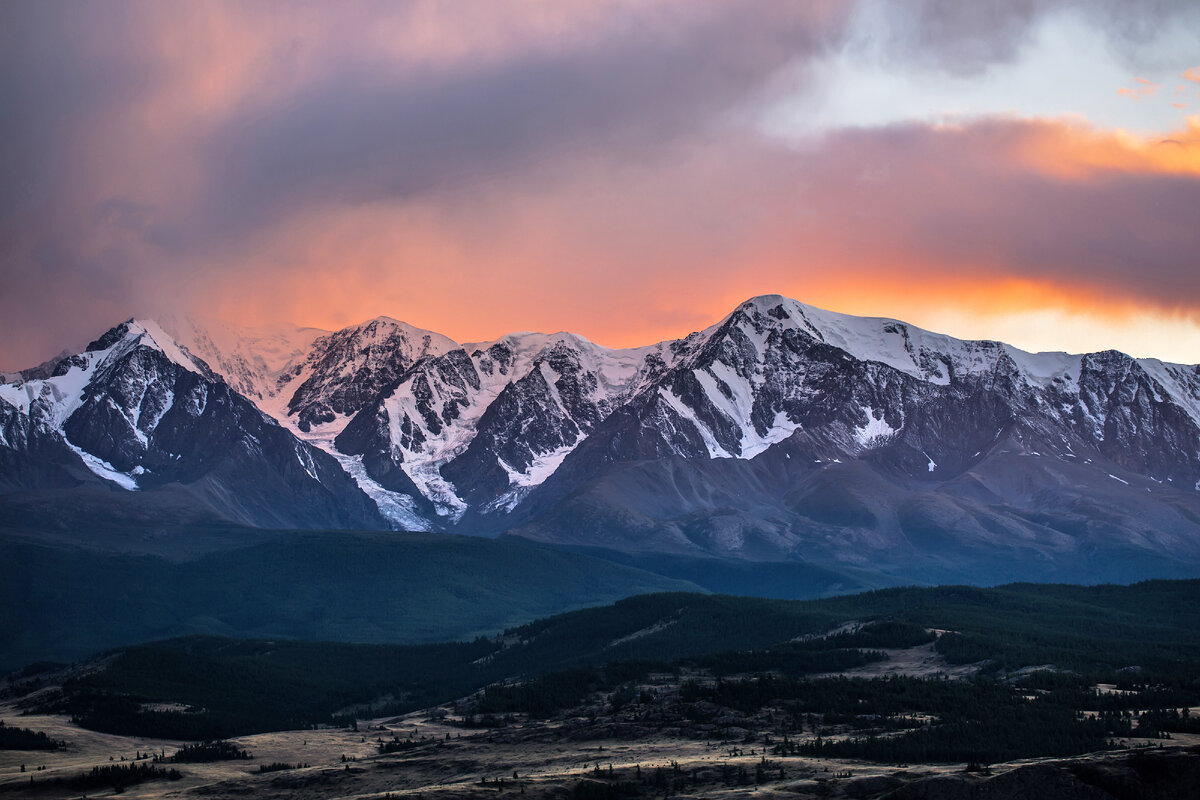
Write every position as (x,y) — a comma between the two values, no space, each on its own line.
(148,333)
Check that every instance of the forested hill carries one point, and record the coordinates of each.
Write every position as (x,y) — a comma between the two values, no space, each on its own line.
(63,603)
(237,686)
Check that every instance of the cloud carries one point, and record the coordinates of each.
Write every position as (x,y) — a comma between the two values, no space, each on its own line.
(1145,88)
(968,39)
(221,123)
(368,132)
(994,215)
(478,167)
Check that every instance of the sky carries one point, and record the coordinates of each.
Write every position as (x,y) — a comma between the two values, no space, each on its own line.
(1023,170)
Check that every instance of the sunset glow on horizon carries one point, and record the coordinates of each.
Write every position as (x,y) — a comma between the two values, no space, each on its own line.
(625,171)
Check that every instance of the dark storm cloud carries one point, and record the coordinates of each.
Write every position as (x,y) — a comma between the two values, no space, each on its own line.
(367,132)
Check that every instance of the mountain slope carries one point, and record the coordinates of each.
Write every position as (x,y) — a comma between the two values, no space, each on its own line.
(772,441)
(478,427)
(135,412)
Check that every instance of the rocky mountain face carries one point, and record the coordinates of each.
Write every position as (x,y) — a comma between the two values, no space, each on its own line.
(479,427)
(135,412)
(348,369)
(791,432)
(782,432)
(308,377)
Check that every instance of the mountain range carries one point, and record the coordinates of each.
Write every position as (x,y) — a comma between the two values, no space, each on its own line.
(781,433)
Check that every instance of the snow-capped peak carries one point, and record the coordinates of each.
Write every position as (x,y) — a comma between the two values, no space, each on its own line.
(147,332)
(62,391)
(923,354)
(379,327)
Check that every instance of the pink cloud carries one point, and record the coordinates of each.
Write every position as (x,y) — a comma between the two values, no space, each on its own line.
(1146,89)
(988,215)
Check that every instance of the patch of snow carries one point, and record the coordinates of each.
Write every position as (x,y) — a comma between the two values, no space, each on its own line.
(1115,478)
(306,461)
(397,508)
(104,469)
(199,398)
(715,450)
(551,377)
(781,428)
(150,422)
(732,395)
(1042,369)
(875,430)
(543,466)
(521,483)
(932,464)
(62,394)
(321,435)
(18,394)
(760,338)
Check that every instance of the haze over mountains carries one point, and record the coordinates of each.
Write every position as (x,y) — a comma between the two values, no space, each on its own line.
(781,433)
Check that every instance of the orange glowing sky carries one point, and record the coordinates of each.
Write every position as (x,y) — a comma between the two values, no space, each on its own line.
(623,170)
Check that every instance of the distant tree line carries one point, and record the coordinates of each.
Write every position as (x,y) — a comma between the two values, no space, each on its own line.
(208,752)
(24,739)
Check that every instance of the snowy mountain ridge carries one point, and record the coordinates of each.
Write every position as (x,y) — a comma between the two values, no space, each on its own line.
(61,393)
(733,440)
(557,386)
(314,382)
(136,410)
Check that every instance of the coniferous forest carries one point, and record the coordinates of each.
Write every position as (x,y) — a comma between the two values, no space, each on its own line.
(1035,655)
